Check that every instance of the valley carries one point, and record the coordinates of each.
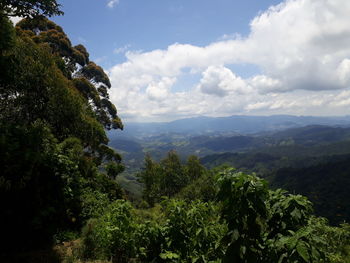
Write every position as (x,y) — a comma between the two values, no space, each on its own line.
(302,158)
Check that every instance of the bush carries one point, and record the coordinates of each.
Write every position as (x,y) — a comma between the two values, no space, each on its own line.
(111,236)
(93,204)
(193,232)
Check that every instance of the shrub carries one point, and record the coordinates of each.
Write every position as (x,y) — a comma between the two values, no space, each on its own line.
(111,236)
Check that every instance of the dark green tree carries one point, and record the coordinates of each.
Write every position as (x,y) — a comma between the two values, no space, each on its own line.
(151,177)
(265,226)
(88,78)
(194,168)
(174,175)
(51,137)
(30,8)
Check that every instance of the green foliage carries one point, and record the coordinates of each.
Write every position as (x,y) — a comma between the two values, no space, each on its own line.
(325,184)
(93,204)
(151,178)
(336,240)
(243,199)
(194,168)
(266,226)
(7,34)
(51,139)
(249,224)
(85,77)
(150,240)
(30,8)
(96,74)
(41,183)
(189,232)
(193,232)
(113,169)
(169,177)
(112,234)
(287,212)
(174,177)
(204,188)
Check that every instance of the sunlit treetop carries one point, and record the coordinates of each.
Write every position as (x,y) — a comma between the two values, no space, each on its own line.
(88,78)
(30,8)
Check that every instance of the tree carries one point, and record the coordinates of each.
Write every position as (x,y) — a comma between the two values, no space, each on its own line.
(51,137)
(151,177)
(174,177)
(265,226)
(113,169)
(194,168)
(30,8)
(73,61)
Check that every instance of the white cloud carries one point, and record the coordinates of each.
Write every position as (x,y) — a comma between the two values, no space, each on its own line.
(159,91)
(112,3)
(301,47)
(221,81)
(343,71)
(265,84)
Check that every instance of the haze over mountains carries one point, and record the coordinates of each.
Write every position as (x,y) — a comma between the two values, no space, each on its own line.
(233,124)
(306,155)
(207,135)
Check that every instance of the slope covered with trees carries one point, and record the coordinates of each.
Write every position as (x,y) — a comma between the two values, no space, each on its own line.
(54,107)
(242,221)
(57,180)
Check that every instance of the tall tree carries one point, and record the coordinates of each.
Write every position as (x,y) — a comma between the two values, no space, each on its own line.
(88,78)
(52,136)
(175,176)
(30,8)
(151,177)
(194,168)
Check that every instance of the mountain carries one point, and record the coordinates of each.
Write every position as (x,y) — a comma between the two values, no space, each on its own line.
(312,160)
(325,184)
(290,145)
(221,125)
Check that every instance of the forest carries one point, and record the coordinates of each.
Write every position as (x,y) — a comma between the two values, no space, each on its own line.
(59,193)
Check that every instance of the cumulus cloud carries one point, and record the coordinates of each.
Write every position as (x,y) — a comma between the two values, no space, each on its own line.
(343,72)
(221,81)
(265,84)
(160,90)
(300,46)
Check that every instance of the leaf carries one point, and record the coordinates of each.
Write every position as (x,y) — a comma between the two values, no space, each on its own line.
(283,256)
(235,235)
(296,213)
(169,255)
(303,251)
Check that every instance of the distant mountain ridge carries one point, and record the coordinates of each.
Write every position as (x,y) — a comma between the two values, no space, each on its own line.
(240,124)
(305,155)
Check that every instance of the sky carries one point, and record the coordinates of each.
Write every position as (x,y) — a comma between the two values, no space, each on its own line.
(172,59)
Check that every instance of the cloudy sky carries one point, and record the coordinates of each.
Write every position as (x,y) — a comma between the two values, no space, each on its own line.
(170,59)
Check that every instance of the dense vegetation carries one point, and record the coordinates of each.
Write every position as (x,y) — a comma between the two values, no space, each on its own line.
(310,160)
(54,107)
(243,221)
(58,178)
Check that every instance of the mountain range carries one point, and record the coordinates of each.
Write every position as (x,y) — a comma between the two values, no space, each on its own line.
(240,124)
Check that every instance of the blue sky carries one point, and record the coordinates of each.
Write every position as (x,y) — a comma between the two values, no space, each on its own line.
(154,24)
(170,59)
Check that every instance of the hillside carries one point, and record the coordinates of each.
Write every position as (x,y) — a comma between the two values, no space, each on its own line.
(293,159)
(303,141)
(221,125)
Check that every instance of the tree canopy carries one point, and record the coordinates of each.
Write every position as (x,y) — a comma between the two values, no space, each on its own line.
(30,8)
(53,145)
